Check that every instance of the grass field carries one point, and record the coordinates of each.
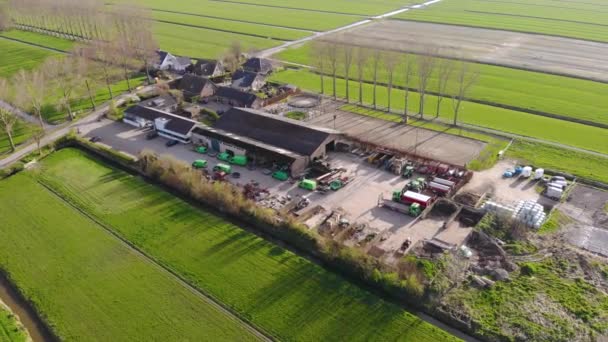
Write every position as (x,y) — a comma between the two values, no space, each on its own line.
(560,131)
(288,296)
(39,39)
(576,19)
(569,97)
(10,329)
(361,7)
(22,131)
(86,284)
(15,56)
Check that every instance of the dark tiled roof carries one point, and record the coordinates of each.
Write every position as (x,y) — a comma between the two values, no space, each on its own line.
(184,61)
(161,56)
(193,84)
(259,65)
(243,79)
(247,99)
(205,67)
(176,123)
(160,102)
(288,134)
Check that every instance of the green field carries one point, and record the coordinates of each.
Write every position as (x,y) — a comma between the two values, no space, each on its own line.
(39,39)
(361,7)
(560,131)
(569,97)
(272,287)
(86,284)
(576,19)
(22,131)
(10,329)
(15,56)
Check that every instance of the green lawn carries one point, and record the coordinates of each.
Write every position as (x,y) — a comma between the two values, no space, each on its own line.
(577,19)
(16,55)
(286,295)
(203,43)
(39,39)
(361,7)
(228,25)
(529,90)
(569,133)
(89,286)
(10,329)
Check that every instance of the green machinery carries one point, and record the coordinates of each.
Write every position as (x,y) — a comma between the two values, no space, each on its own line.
(308,184)
(408,171)
(199,164)
(224,156)
(223,167)
(239,160)
(280,175)
(201,149)
(417,185)
(415,209)
(336,185)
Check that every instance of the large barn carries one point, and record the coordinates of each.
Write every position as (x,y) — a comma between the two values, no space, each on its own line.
(267,138)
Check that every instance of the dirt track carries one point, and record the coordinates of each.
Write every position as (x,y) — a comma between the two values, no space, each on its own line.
(444,147)
(564,56)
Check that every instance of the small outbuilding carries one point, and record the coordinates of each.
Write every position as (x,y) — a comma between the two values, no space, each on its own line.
(247,80)
(166,61)
(208,68)
(168,125)
(237,98)
(193,85)
(258,65)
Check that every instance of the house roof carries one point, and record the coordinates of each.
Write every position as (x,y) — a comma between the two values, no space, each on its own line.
(160,102)
(278,131)
(205,67)
(175,123)
(193,84)
(184,61)
(161,56)
(243,79)
(259,65)
(245,98)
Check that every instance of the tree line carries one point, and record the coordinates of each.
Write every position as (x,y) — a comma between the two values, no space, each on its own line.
(422,73)
(116,45)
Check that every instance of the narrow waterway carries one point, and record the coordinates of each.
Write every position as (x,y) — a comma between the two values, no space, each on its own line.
(23,310)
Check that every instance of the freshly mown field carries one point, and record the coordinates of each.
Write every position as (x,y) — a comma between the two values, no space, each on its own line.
(361,7)
(559,95)
(16,55)
(284,294)
(576,19)
(560,131)
(88,285)
(10,329)
(39,39)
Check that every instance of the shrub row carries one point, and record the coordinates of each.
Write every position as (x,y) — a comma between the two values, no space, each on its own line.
(403,282)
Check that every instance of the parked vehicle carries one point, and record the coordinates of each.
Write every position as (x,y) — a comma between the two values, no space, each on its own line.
(171,142)
(201,149)
(308,184)
(151,135)
(224,156)
(95,139)
(199,164)
(223,168)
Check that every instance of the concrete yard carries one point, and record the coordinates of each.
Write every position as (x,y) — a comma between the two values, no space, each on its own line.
(586,207)
(436,145)
(563,56)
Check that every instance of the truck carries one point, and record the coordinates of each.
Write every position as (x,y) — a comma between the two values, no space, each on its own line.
(413,209)
(409,197)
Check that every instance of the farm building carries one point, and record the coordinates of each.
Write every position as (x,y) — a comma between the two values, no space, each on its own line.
(237,98)
(193,85)
(208,68)
(258,65)
(167,61)
(164,102)
(267,138)
(247,80)
(166,124)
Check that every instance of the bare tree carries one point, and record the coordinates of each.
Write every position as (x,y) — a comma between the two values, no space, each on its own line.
(347,51)
(408,63)
(466,76)
(444,74)
(5,20)
(332,56)
(362,56)
(376,58)
(318,56)
(102,54)
(145,45)
(38,134)
(7,116)
(31,91)
(426,64)
(64,71)
(391,59)
(233,57)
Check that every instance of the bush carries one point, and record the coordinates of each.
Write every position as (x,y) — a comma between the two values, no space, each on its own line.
(211,114)
(296,115)
(528,269)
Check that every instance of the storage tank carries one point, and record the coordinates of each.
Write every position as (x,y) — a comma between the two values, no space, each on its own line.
(526,171)
(538,173)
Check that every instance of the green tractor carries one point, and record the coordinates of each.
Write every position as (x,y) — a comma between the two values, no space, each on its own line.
(408,171)
(415,209)
(199,164)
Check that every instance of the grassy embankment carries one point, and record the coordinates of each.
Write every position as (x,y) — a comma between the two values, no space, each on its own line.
(576,19)
(559,131)
(10,329)
(86,284)
(269,285)
(501,86)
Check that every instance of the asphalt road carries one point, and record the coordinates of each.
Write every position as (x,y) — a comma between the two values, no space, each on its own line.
(564,56)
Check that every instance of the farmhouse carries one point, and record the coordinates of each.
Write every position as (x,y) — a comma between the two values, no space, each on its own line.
(267,138)
(164,102)
(237,98)
(247,80)
(193,85)
(167,61)
(166,124)
(208,68)
(258,65)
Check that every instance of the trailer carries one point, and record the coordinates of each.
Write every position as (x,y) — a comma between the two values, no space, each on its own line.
(409,197)
(413,209)
(444,182)
(439,188)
